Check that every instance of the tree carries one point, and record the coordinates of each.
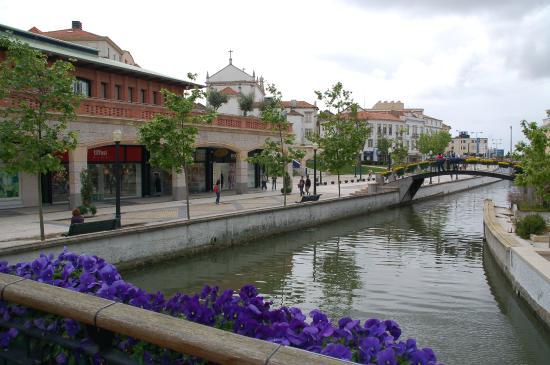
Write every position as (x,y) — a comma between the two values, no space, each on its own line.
(436,142)
(399,154)
(277,154)
(246,103)
(215,99)
(535,161)
(384,145)
(344,136)
(170,139)
(39,102)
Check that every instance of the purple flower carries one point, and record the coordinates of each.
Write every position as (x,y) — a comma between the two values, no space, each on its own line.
(61,358)
(88,263)
(337,350)
(386,357)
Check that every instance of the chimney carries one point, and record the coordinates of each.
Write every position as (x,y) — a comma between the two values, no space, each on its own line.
(293,103)
(77,24)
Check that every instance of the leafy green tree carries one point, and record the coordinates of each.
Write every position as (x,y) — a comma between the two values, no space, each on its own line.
(39,103)
(436,142)
(170,139)
(384,145)
(277,154)
(343,135)
(215,99)
(399,154)
(246,103)
(535,161)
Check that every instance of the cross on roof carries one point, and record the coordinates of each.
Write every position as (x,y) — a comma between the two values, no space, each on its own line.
(230,59)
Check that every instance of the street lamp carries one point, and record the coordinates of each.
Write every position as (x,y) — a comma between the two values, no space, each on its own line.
(117,136)
(315,147)
(390,150)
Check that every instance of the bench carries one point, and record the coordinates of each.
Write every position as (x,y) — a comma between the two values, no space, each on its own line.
(309,198)
(91,227)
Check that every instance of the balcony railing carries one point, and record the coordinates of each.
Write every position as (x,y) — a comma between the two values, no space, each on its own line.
(142,112)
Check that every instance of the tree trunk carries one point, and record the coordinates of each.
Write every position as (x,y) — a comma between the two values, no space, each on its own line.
(186,192)
(40,211)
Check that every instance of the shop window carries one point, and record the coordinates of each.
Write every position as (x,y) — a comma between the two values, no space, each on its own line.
(9,185)
(81,87)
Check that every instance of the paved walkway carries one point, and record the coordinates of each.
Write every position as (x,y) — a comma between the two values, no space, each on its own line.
(21,225)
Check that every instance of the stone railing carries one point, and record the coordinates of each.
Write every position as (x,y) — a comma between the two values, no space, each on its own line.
(211,344)
(137,111)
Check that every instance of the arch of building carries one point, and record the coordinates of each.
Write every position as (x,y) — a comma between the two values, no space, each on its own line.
(94,132)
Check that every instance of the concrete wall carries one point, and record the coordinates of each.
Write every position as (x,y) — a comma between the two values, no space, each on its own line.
(527,268)
(429,191)
(134,245)
(156,241)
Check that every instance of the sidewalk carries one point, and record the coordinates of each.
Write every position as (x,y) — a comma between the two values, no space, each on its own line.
(22,225)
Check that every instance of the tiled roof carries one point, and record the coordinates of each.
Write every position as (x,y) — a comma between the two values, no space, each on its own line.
(300,104)
(229,91)
(377,116)
(75,35)
(83,55)
(294,112)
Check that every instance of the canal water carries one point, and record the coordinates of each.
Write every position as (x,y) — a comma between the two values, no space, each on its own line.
(422,265)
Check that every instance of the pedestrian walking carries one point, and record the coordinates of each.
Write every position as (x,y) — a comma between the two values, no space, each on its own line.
(217,191)
(264,182)
(308,184)
(301,185)
(274,183)
(221,180)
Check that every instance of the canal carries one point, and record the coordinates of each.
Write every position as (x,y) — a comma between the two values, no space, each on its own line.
(422,265)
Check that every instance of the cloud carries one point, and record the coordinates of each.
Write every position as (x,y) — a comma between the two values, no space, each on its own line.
(500,8)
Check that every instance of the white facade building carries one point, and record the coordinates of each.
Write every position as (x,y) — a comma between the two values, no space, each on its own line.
(232,81)
(391,120)
(303,117)
(464,145)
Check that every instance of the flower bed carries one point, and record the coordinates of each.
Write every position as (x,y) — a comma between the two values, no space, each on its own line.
(246,313)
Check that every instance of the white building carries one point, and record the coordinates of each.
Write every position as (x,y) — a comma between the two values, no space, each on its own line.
(464,145)
(234,82)
(303,117)
(391,120)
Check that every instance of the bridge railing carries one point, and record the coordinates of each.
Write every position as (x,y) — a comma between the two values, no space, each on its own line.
(448,165)
(105,319)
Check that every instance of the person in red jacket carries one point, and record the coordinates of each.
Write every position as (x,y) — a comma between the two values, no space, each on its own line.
(217,191)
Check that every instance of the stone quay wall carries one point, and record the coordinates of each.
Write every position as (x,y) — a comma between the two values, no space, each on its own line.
(132,246)
(527,268)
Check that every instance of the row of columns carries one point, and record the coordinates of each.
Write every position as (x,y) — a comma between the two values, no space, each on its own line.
(78,162)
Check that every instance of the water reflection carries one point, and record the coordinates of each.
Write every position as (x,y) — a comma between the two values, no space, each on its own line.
(421,265)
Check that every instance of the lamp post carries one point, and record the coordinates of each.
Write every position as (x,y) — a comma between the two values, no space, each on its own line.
(431,166)
(117,136)
(315,147)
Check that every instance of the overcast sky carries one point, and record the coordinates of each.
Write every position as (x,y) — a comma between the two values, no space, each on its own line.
(480,65)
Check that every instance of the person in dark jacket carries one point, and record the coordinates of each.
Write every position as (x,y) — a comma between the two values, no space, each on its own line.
(308,185)
(217,191)
(77,217)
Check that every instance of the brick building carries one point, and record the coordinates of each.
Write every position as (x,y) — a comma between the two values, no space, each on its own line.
(118,94)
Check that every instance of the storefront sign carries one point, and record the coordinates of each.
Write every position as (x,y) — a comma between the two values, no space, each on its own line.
(106,154)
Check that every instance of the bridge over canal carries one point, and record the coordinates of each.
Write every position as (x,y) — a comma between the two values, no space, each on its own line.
(409,185)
